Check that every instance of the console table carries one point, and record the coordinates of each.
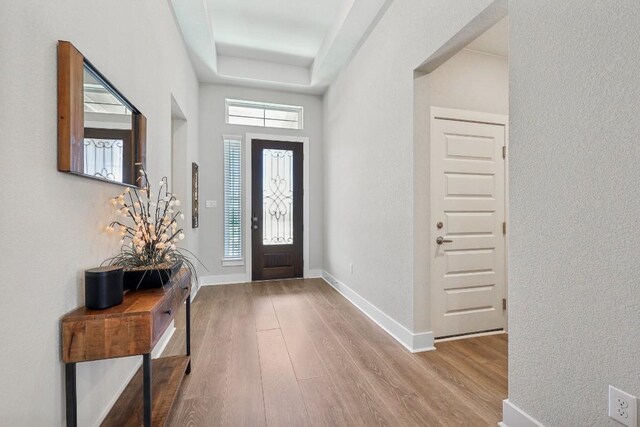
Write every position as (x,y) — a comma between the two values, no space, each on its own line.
(131,328)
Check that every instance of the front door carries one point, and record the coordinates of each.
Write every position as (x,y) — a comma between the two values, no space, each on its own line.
(467,241)
(276,219)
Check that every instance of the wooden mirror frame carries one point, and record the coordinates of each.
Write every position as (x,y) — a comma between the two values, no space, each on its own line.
(71,65)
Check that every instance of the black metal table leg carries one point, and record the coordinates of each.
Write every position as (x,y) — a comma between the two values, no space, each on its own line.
(146,371)
(188,371)
(71,394)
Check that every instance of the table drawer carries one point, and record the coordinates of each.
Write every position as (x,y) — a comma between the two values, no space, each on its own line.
(181,291)
(163,315)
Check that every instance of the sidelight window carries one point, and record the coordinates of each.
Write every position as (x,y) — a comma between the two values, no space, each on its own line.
(232,199)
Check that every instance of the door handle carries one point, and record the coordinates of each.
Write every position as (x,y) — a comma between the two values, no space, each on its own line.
(440,240)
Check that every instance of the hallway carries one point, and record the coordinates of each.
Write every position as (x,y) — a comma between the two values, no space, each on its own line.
(293,353)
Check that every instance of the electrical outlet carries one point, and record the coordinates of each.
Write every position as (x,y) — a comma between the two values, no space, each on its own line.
(623,407)
(211,203)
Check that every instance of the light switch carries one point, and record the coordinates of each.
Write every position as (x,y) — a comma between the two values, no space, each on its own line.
(211,203)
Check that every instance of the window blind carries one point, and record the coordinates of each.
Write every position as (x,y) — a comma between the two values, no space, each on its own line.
(232,198)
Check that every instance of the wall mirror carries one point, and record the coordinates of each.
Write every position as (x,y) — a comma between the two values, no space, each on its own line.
(101,135)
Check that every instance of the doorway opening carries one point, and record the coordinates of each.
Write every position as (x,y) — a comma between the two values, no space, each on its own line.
(178,180)
(461,146)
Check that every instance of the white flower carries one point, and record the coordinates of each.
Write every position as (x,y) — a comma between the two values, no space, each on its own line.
(181,216)
(172,202)
(173,247)
(181,236)
(177,202)
(107,229)
(114,202)
(164,236)
(136,204)
(160,245)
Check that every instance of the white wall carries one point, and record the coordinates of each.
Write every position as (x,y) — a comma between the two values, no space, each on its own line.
(471,81)
(212,128)
(51,224)
(575,235)
(368,157)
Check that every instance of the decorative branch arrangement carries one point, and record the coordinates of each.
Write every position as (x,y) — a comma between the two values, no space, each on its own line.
(149,230)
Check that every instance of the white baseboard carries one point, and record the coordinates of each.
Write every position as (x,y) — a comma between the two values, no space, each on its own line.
(512,416)
(223,279)
(229,279)
(163,341)
(415,343)
(194,291)
(315,273)
(467,336)
(157,351)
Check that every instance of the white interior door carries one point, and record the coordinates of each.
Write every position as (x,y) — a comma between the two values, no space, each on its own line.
(468,267)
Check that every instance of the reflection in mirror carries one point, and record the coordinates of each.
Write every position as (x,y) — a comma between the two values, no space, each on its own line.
(108,132)
(101,135)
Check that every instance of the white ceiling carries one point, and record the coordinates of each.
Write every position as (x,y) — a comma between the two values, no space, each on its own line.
(297,45)
(292,30)
(495,40)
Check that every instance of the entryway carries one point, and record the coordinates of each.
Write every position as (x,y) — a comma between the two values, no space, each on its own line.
(461,107)
(277,216)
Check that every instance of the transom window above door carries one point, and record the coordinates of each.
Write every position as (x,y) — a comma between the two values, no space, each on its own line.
(263,114)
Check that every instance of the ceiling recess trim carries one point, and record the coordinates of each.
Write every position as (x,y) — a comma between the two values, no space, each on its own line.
(353,23)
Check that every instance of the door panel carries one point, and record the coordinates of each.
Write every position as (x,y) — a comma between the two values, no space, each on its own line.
(468,198)
(276,209)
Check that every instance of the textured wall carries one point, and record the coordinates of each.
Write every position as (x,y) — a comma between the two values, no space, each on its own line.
(575,234)
(368,157)
(213,126)
(51,223)
(468,81)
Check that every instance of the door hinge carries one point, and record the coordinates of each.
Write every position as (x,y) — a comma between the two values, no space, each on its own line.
(504,151)
(504,228)
(504,303)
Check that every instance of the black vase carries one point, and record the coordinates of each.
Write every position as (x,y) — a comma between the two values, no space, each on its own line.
(149,278)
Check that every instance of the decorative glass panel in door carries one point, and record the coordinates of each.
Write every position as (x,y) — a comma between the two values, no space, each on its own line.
(277,197)
(276,219)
